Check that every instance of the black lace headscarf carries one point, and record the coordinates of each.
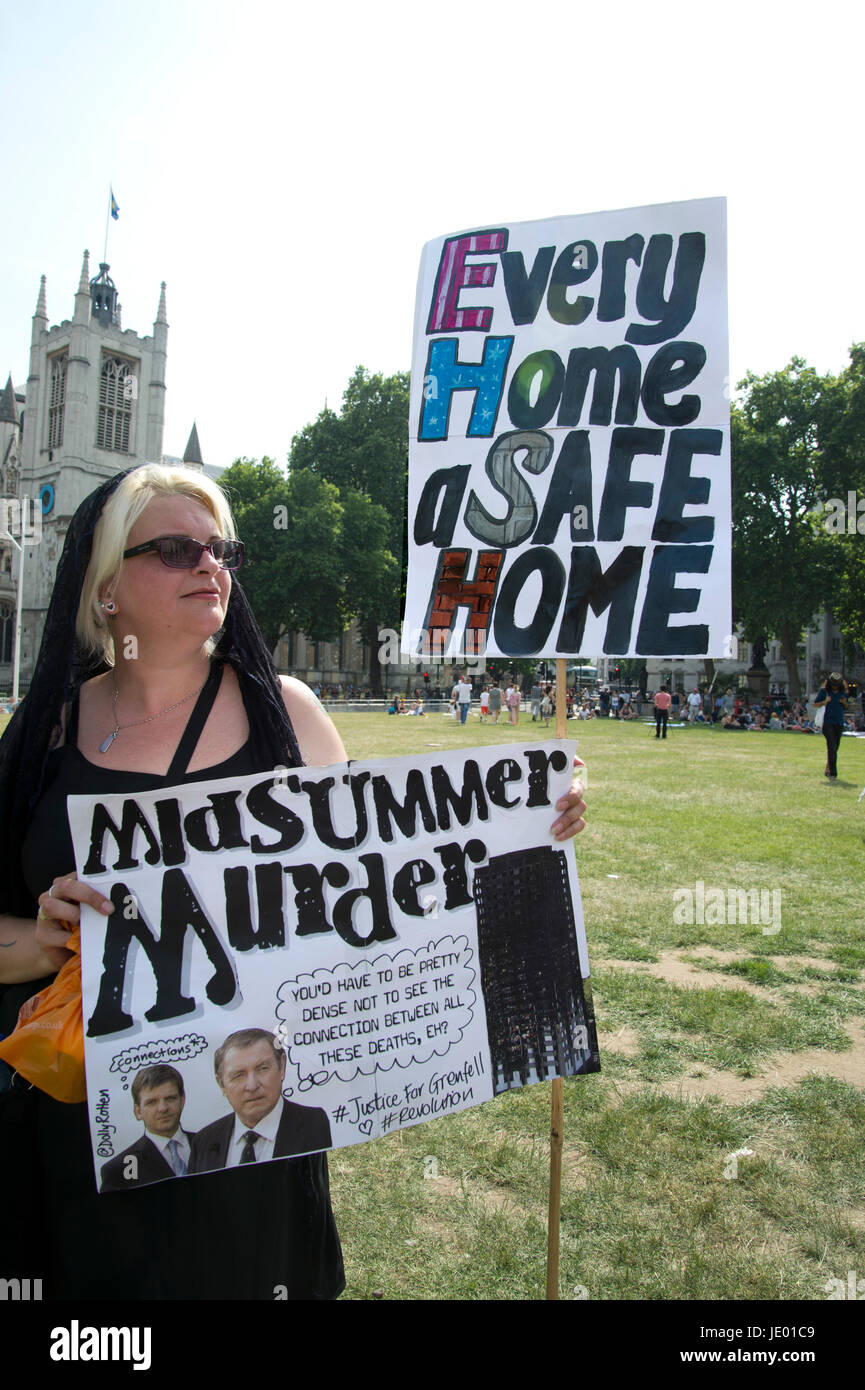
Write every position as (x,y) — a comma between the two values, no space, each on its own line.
(62,666)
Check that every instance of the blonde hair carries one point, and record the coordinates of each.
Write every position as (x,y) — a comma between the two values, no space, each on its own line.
(120,513)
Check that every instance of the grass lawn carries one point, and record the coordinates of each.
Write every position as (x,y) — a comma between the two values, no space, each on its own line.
(715,1037)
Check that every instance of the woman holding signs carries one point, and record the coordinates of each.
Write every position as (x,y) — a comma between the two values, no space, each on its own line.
(151,673)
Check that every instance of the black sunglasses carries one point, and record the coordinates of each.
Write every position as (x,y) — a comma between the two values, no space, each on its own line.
(183,553)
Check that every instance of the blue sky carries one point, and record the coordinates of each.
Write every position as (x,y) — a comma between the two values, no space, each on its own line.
(281,167)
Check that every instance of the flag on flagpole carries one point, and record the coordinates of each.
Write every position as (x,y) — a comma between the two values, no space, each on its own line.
(115,210)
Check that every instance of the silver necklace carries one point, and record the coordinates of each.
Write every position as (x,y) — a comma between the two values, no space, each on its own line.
(118,728)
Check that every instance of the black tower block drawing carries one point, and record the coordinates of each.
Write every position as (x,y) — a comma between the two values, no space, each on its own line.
(540,1020)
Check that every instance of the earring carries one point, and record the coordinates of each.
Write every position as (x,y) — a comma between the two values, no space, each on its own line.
(110,607)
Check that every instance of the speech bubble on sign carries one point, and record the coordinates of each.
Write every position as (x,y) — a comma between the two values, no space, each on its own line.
(394,1011)
(158,1051)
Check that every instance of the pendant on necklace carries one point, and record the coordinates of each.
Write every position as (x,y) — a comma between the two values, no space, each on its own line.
(106,744)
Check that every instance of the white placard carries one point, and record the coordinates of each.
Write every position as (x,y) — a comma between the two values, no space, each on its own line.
(408,930)
(569,438)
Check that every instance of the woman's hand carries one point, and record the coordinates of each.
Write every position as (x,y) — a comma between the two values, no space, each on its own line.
(60,914)
(573,806)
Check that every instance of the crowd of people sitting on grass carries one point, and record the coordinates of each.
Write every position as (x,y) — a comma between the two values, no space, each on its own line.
(494,701)
(791,718)
(774,714)
(400,706)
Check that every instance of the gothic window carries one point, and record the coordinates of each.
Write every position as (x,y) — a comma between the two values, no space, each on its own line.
(118,388)
(57,399)
(7,624)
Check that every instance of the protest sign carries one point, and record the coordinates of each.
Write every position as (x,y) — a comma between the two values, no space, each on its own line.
(408,930)
(569,481)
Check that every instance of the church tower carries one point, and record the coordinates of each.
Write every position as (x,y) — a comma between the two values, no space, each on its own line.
(95,405)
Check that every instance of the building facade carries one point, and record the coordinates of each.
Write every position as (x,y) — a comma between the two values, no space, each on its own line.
(11,406)
(94,404)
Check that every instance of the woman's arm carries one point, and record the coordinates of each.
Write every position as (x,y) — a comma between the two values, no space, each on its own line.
(22,957)
(319,743)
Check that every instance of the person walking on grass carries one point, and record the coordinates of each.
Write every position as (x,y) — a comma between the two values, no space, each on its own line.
(547,706)
(514,699)
(495,701)
(463,692)
(832,697)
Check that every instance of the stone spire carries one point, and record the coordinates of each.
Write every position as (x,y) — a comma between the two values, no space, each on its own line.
(192,452)
(39,325)
(81,314)
(8,404)
(161,316)
(84,281)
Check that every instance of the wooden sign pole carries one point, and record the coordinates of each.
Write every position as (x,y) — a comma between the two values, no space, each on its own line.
(557,1102)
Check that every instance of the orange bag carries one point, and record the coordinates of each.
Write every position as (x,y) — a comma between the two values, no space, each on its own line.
(47,1046)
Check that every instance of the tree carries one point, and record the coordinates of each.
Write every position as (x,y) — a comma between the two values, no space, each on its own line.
(844,484)
(363,451)
(632,670)
(293,530)
(784,565)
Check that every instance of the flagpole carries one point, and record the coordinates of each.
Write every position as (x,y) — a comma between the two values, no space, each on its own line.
(107,219)
(557,1097)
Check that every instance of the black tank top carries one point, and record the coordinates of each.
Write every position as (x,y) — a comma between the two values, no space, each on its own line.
(47,852)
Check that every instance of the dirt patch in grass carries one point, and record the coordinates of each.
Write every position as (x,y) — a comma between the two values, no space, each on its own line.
(782,962)
(714,954)
(492,1198)
(804,962)
(675,971)
(783,1069)
(624,1041)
